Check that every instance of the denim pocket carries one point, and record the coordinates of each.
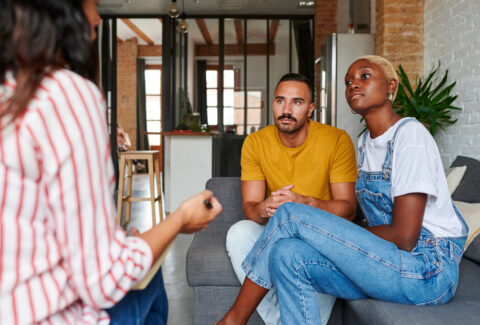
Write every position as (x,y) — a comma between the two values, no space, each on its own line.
(421,263)
(375,207)
(450,250)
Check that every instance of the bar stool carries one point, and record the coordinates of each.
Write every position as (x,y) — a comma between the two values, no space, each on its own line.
(153,172)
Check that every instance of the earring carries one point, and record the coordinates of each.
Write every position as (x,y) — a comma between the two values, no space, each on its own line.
(390,97)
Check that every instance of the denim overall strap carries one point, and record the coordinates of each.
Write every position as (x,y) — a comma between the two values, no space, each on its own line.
(361,153)
(387,164)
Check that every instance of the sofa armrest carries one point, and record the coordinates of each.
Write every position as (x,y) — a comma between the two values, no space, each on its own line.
(207,262)
(228,192)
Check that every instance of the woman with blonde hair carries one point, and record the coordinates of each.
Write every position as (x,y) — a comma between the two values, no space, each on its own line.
(410,251)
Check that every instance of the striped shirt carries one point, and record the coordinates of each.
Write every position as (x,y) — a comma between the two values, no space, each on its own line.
(63,258)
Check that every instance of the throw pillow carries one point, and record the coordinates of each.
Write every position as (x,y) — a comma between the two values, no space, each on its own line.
(473,251)
(471,214)
(454,176)
(468,190)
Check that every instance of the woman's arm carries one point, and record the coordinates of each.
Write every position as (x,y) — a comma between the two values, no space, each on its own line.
(406,223)
(190,217)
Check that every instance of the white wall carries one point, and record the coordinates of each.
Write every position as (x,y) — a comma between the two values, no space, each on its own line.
(452,35)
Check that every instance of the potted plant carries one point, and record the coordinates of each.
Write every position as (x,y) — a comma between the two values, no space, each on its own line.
(429,102)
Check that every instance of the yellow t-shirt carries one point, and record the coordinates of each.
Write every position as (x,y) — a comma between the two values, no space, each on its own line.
(327,156)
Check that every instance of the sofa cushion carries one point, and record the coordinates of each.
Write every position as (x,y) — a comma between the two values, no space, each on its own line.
(471,215)
(454,176)
(463,308)
(228,192)
(468,189)
(208,263)
(473,250)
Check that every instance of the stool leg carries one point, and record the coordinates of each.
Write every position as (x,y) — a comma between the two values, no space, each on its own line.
(129,190)
(121,180)
(151,172)
(156,162)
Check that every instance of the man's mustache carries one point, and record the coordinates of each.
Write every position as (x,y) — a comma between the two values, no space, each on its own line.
(288,116)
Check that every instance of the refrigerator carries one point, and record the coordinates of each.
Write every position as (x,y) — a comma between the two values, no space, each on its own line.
(338,52)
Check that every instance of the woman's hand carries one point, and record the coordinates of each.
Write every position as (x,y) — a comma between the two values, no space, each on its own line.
(194,213)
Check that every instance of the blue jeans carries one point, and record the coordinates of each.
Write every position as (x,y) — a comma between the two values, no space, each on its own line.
(147,306)
(304,249)
(240,239)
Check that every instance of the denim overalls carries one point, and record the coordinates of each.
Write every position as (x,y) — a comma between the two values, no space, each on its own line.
(374,195)
(304,250)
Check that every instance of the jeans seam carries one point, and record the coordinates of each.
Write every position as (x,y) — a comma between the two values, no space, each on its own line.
(297,267)
(349,245)
(439,299)
(248,270)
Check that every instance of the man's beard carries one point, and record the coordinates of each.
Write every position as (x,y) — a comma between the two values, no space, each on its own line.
(291,128)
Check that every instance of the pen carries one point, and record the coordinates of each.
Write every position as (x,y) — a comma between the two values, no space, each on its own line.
(207,203)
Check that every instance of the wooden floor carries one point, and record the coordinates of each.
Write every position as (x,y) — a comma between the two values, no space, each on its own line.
(180,295)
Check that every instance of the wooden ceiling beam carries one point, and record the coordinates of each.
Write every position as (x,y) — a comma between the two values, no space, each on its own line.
(149,50)
(204,30)
(234,49)
(137,31)
(273,30)
(239,31)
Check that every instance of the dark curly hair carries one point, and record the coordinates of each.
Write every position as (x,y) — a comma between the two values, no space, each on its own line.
(38,37)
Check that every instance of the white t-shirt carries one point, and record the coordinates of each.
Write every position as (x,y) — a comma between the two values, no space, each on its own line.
(416,168)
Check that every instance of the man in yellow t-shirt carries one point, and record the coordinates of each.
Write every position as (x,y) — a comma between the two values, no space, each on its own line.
(295,160)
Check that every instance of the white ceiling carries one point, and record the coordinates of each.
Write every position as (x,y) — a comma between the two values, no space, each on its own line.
(204,7)
(152,27)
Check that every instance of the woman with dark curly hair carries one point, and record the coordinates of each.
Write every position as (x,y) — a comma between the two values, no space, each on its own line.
(63,258)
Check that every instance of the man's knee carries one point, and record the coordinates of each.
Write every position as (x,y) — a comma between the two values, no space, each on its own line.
(244,233)
(284,254)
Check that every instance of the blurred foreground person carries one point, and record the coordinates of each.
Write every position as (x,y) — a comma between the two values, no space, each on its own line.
(63,258)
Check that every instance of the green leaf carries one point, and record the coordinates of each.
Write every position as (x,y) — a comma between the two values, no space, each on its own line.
(430,102)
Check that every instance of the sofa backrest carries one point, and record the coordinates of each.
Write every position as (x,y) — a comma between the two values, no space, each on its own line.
(228,192)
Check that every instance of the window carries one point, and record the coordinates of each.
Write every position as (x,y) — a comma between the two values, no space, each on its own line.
(228,96)
(153,86)
(254,111)
(233,102)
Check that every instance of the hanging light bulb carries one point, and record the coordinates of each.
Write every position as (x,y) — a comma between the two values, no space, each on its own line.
(182,25)
(174,9)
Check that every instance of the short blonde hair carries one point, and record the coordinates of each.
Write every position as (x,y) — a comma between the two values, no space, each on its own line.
(386,66)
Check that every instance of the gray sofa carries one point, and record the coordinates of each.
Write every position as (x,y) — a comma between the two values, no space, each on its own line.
(210,273)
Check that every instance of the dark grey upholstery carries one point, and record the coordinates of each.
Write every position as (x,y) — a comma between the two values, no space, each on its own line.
(473,250)
(468,188)
(210,272)
(464,308)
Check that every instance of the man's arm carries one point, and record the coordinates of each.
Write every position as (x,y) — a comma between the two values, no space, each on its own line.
(254,203)
(343,202)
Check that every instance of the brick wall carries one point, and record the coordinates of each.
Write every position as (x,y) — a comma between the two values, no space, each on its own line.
(127,52)
(343,15)
(452,30)
(399,33)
